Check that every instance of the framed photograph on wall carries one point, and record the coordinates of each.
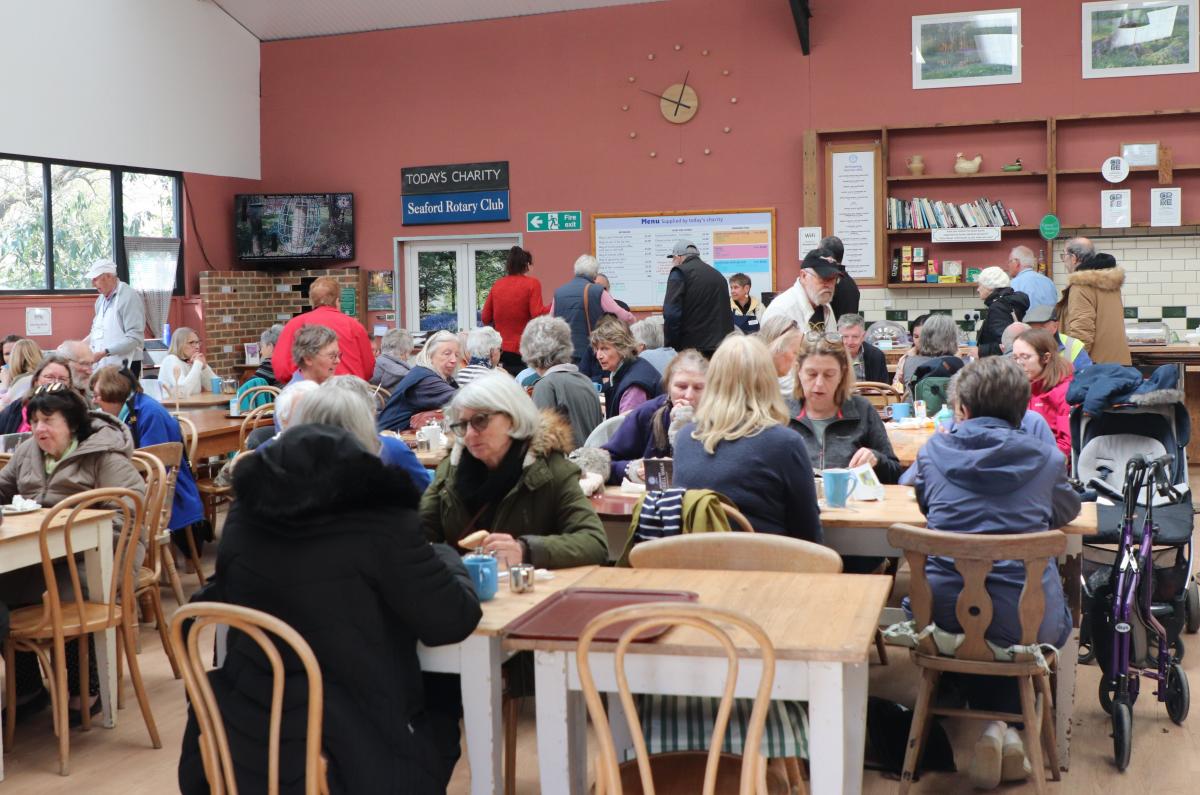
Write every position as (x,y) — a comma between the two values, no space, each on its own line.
(1130,39)
(1141,154)
(974,48)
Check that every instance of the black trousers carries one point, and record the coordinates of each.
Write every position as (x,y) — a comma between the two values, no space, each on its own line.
(512,362)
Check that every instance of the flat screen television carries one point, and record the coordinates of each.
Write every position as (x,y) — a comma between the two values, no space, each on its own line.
(282,227)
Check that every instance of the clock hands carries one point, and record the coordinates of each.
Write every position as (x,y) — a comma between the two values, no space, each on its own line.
(682,89)
(677,102)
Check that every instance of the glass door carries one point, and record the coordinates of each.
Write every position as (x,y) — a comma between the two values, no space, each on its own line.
(447,281)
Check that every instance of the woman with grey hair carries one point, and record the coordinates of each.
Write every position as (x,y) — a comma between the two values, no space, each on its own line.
(428,386)
(346,402)
(266,349)
(939,340)
(1004,305)
(649,335)
(315,352)
(508,473)
(391,365)
(483,352)
(546,347)
(632,381)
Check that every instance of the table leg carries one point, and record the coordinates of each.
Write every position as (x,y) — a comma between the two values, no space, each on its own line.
(561,727)
(481,686)
(837,721)
(98,564)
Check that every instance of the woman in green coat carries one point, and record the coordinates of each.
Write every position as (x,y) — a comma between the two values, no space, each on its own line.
(508,473)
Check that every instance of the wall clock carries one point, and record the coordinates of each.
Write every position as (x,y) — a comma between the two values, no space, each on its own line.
(663,101)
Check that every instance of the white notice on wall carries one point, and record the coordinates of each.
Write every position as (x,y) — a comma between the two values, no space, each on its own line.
(37,321)
(1166,206)
(853,181)
(810,238)
(1114,209)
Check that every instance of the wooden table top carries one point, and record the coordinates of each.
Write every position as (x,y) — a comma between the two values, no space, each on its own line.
(824,617)
(25,524)
(507,607)
(906,442)
(428,458)
(202,400)
(1165,354)
(899,504)
(213,422)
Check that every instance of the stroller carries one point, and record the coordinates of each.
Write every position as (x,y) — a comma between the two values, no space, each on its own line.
(1102,448)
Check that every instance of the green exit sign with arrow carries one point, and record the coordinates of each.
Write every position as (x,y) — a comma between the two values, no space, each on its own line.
(554,221)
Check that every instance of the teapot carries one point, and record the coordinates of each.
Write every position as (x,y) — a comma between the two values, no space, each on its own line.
(916,165)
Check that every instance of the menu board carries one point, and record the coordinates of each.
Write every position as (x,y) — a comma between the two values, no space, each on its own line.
(854,177)
(633,249)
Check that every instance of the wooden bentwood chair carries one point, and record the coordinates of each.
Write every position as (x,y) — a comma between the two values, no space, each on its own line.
(973,557)
(45,629)
(170,454)
(878,394)
(700,771)
(160,492)
(214,744)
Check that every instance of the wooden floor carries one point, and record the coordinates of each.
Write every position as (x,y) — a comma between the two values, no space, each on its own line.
(1166,757)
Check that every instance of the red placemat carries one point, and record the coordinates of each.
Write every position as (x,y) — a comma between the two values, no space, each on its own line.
(565,614)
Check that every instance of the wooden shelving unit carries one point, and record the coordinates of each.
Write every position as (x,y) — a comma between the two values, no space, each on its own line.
(1042,143)
(931,286)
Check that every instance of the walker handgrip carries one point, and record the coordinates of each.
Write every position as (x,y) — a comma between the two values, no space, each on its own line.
(1104,488)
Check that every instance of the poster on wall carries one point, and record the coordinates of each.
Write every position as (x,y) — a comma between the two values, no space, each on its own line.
(381,294)
(632,249)
(854,187)
(1131,39)
(37,321)
(1166,206)
(1114,209)
(973,48)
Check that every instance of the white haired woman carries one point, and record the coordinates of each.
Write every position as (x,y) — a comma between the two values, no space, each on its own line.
(938,340)
(391,365)
(508,473)
(483,353)
(345,401)
(1004,307)
(741,446)
(428,386)
(546,347)
(782,337)
(649,335)
(184,371)
(266,349)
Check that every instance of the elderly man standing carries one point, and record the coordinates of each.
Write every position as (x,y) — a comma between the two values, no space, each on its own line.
(807,301)
(1022,271)
(583,302)
(119,325)
(696,306)
(79,358)
(353,343)
(869,362)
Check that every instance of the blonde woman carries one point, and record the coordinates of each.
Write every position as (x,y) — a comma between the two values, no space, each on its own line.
(741,446)
(24,358)
(184,371)
(782,337)
(429,385)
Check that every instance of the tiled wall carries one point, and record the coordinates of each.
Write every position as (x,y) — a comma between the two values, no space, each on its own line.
(1162,282)
(240,305)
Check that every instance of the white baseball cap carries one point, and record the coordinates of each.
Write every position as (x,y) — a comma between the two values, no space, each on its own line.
(101,266)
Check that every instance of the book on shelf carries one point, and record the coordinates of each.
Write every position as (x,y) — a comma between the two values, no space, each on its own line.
(923,213)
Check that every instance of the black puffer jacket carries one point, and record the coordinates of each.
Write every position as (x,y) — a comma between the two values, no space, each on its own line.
(1004,307)
(327,538)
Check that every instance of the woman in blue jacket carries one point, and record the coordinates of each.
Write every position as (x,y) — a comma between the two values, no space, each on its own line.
(118,392)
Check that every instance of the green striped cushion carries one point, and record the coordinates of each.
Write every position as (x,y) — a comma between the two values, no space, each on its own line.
(685,723)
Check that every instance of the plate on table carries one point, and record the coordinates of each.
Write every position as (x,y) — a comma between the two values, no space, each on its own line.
(12,510)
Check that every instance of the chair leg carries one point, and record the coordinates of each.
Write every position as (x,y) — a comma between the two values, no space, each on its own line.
(120,670)
(916,733)
(512,709)
(163,630)
(194,553)
(85,692)
(168,562)
(1033,744)
(136,675)
(64,733)
(10,693)
(1049,741)
(881,647)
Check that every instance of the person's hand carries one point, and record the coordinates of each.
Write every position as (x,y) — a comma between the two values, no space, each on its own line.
(636,471)
(199,357)
(863,456)
(97,356)
(507,549)
(681,414)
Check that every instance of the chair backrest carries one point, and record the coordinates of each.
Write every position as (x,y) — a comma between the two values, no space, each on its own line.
(737,517)
(878,394)
(214,743)
(251,422)
(675,614)
(604,431)
(382,396)
(735,552)
(130,508)
(973,556)
(170,454)
(190,437)
(251,395)
(4,459)
(155,475)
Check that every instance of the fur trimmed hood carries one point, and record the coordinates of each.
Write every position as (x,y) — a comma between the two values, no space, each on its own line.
(1108,279)
(553,435)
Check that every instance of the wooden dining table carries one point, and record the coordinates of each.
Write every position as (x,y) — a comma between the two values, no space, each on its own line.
(821,625)
(217,433)
(91,534)
(907,441)
(202,400)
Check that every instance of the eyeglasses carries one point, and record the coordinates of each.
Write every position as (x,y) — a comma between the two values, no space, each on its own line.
(478,421)
(1025,357)
(336,356)
(54,379)
(817,332)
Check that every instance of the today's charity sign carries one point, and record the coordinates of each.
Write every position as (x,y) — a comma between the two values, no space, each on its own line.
(456,193)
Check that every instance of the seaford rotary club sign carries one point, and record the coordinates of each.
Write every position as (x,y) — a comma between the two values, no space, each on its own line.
(457,193)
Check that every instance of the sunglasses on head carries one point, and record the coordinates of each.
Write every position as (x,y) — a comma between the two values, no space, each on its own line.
(51,388)
(817,332)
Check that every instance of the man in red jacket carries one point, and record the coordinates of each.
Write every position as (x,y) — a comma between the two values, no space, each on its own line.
(357,358)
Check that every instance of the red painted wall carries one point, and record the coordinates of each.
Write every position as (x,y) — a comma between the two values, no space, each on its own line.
(545,93)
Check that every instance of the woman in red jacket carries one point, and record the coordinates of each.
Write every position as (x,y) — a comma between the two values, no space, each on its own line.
(512,302)
(1049,378)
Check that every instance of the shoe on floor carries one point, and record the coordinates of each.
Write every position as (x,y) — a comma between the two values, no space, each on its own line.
(1014,766)
(985,765)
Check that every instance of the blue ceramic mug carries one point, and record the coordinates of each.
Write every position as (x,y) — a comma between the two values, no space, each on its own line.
(839,484)
(901,411)
(216,385)
(485,575)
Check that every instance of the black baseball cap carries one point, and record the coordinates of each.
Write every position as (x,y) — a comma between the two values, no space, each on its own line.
(821,263)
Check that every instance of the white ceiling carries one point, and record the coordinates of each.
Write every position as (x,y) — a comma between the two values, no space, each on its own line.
(291,19)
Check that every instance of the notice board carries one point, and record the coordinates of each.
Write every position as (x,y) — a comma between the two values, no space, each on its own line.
(853,200)
(632,248)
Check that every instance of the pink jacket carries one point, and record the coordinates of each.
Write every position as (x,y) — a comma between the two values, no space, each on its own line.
(1053,407)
